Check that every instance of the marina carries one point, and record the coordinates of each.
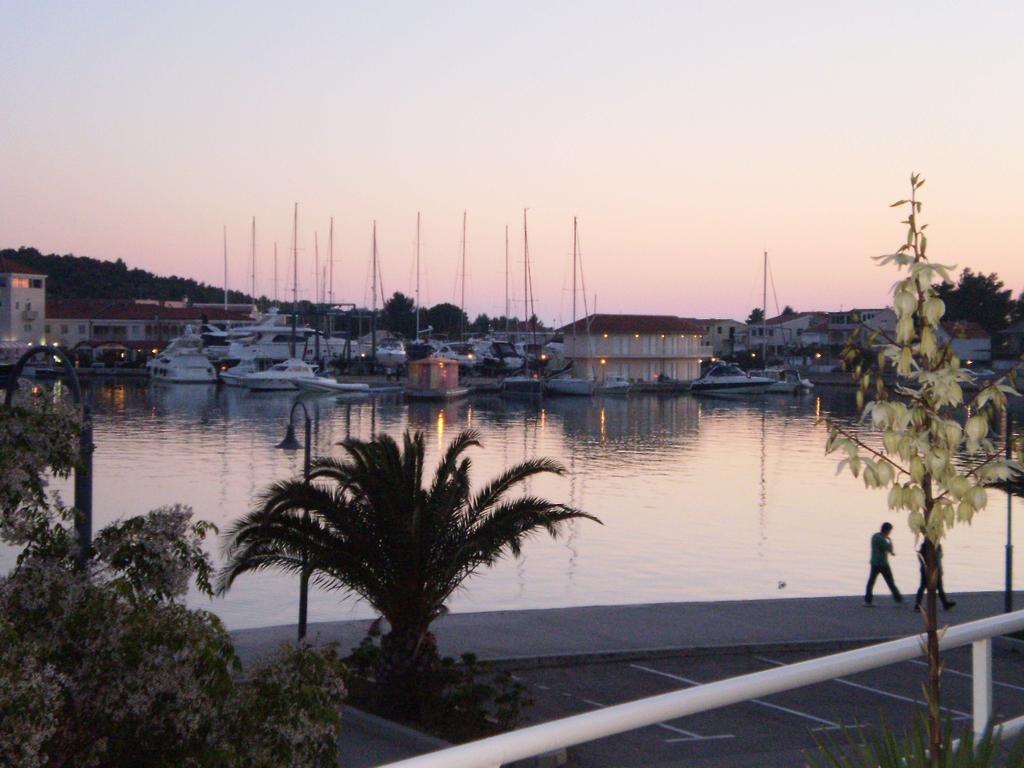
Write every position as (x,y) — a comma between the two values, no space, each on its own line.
(728,503)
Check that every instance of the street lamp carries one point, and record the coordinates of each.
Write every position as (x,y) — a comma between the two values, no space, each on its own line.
(1008,596)
(83,470)
(291,444)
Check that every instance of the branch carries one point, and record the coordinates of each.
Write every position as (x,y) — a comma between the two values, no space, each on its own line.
(861,444)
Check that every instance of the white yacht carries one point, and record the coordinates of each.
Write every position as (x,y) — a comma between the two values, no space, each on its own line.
(391,353)
(500,355)
(279,377)
(786,380)
(725,378)
(462,352)
(233,376)
(271,338)
(182,361)
(569,385)
(215,341)
(326,384)
(614,385)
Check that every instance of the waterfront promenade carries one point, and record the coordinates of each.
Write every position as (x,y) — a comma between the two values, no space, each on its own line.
(616,631)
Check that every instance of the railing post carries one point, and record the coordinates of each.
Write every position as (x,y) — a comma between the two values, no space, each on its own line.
(981,669)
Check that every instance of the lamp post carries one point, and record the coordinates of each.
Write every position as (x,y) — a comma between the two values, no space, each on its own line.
(290,443)
(1008,594)
(83,470)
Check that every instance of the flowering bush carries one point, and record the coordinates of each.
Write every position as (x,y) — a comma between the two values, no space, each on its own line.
(38,436)
(101,663)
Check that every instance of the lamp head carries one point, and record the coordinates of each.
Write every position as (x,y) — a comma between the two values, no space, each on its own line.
(289,443)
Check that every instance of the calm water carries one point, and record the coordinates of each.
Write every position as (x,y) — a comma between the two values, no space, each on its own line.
(701,499)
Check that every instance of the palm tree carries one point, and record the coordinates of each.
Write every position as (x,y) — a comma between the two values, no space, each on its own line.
(368,526)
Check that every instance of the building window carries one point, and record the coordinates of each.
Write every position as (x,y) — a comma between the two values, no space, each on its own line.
(81,329)
(19,282)
(28,305)
(28,327)
(3,282)
(37,283)
(17,305)
(63,329)
(46,329)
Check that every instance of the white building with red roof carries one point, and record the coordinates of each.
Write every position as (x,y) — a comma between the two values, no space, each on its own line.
(22,303)
(636,347)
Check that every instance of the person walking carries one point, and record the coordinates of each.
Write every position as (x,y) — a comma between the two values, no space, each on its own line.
(881,548)
(922,555)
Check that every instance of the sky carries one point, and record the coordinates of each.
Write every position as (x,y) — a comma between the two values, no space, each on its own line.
(687,137)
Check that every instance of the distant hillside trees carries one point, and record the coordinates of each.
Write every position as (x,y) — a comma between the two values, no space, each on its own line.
(979,297)
(82,277)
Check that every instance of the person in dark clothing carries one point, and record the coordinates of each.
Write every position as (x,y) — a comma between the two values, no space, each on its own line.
(922,554)
(881,548)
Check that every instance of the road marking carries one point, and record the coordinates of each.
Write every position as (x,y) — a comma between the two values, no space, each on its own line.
(871,689)
(760,702)
(688,735)
(946,670)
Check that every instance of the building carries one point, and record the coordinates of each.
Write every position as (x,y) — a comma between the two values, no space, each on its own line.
(969,340)
(637,347)
(22,304)
(131,325)
(842,324)
(1012,340)
(721,335)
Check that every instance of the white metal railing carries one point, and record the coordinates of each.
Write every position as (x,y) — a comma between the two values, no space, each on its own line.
(558,734)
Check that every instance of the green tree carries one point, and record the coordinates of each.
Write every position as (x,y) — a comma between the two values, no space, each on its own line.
(447,319)
(367,525)
(921,439)
(399,315)
(756,316)
(482,324)
(979,297)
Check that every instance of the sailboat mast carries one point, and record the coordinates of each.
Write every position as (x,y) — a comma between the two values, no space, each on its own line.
(526,268)
(764,315)
(316,268)
(275,272)
(417,276)
(462,300)
(373,317)
(507,306)
(295,282)
(330,261)
(575,240)
(253,255)
(225,267)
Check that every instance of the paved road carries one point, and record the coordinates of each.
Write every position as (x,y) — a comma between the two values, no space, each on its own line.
(772,732)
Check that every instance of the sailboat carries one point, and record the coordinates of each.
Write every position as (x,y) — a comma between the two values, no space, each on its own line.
(524,383)
(565,383)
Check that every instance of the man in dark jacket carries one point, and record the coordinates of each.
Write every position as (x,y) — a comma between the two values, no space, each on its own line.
(922,555)
(881,548)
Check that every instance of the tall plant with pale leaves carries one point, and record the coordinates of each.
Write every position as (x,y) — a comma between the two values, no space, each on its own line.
(929,444)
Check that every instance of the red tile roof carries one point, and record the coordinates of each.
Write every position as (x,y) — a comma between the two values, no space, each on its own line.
(10,266)
(101,309)
(645,324)
(964,329)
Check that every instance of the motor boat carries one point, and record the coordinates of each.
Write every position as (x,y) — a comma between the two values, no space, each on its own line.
(569,385)
(499,355)
(327,384)
(613,385)
(464,354)
(272,339)
(281,376)
(216,341)
(182,361)
(786,380)
(725,378)
(523,384)
(182,368)
(391,353)
(232,377)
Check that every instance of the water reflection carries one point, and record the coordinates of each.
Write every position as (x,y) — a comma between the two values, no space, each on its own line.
(700,498)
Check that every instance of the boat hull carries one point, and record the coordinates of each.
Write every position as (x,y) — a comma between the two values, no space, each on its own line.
(321,384)
(570,387)
(731,388)
(522,385)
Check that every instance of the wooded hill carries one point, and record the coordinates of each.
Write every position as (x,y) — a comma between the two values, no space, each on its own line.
(82,277)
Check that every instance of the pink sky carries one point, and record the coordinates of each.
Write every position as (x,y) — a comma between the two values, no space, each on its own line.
(687,137)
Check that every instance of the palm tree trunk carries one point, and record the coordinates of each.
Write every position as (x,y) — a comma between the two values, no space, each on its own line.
(409,658)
